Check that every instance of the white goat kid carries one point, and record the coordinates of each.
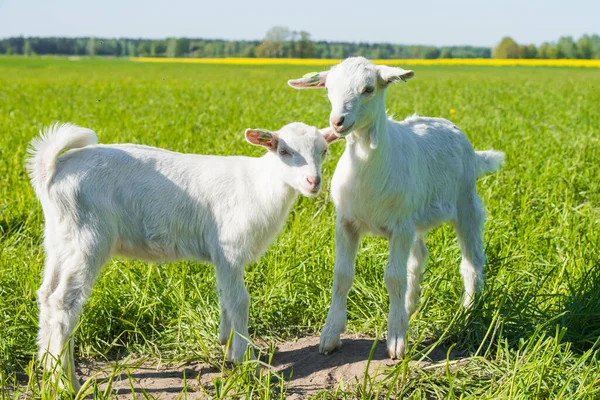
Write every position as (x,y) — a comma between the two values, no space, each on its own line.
(397,180)
(153,204)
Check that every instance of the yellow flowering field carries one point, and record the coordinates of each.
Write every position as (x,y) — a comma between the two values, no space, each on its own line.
(440,61)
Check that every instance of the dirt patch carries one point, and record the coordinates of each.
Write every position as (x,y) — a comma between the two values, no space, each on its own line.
(305,370)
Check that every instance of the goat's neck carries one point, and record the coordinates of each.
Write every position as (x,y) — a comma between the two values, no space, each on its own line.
(275,195)
(371,140)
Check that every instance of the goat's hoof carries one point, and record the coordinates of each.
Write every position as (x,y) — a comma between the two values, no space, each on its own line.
(325,351)
(396,344)
(76,386)
(223,341)
(236,353)
(231,356)
(329,343)
(468,302)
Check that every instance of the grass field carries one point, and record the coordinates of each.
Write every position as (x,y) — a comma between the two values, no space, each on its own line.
(535,332)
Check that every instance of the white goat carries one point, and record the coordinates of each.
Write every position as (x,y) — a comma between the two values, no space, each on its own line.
(397,180)
(153,204)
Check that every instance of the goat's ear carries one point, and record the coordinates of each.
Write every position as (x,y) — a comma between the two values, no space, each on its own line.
(312,80)
(387,75)
(259,137)
(329,135)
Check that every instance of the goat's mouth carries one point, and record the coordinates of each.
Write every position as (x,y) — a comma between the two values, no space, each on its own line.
(343,131)
(312,192)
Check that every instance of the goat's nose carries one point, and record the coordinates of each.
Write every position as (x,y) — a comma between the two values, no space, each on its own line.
(313,180)
(337,123)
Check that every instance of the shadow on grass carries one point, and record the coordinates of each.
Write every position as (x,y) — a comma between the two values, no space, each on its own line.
(12,226)
(581,311)
(513,315)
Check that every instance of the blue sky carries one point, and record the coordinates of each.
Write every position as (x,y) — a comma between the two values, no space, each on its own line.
(456,22)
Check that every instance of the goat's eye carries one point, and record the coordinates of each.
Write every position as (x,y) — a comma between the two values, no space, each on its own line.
(324,153)
(284,152)
(369,90)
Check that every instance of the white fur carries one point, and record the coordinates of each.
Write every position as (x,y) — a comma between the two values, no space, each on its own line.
(153,204)
(397,180)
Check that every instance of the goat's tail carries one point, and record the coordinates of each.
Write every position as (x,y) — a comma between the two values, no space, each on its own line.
(44,150)
(489,161)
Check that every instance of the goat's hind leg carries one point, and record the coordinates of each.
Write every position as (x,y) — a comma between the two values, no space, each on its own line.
(431,216)
(395,277)
(76,276)
(50,279)
(470,218)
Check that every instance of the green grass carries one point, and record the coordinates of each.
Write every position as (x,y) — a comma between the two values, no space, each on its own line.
(534,334)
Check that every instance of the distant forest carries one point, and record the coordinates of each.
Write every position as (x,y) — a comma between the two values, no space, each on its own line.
(280,42)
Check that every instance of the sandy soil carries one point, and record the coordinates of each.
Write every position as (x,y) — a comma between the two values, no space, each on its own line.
(309,370)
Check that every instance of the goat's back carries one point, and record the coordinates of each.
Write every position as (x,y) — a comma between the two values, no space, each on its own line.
(158,204)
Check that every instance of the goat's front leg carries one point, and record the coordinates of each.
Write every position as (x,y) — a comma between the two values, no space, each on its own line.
(347,238)
(235,306)
(395,281)
(416,265)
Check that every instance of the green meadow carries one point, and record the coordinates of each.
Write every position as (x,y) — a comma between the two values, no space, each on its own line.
(533,334)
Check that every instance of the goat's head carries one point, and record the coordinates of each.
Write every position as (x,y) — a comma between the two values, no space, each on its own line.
(356,88)
(300,149)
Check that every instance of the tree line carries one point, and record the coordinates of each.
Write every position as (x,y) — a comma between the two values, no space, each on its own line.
(586,47)
(280,42)
(214,48)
